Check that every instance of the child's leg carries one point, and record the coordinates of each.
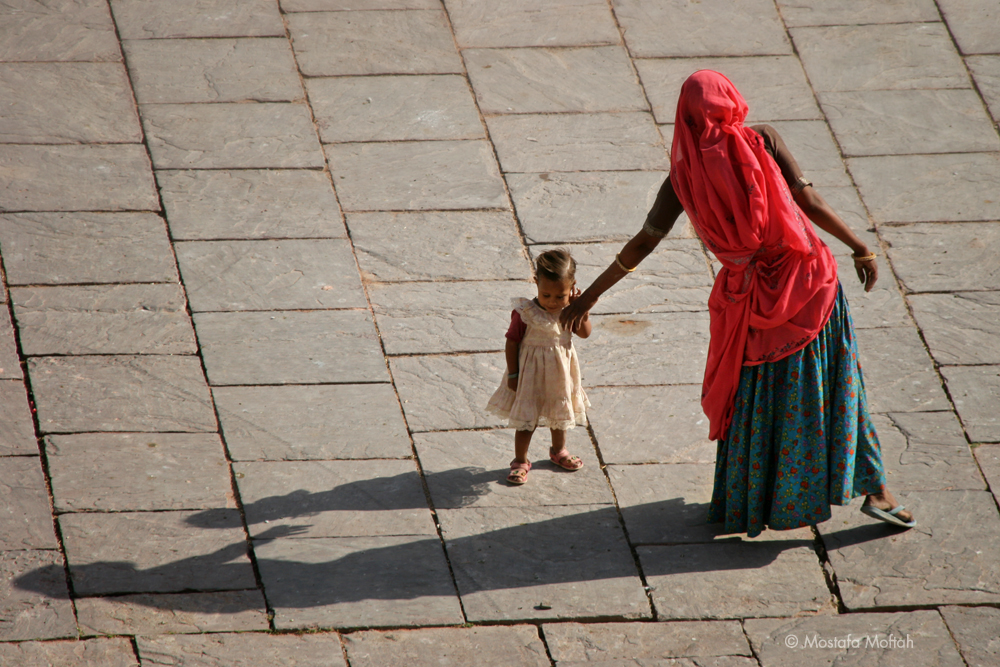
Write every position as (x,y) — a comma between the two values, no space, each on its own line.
(522,439)
(559,455)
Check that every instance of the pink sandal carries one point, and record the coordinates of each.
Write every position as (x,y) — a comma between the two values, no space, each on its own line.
(565,461)
(518,472)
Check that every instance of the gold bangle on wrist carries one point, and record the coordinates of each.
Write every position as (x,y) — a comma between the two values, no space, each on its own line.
(866,258)
(618,261)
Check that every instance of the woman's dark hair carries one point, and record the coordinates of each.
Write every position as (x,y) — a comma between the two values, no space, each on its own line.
(556,265)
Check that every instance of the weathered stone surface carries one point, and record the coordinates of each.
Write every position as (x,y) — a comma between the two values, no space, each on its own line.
(244,649)
(542,563)
(334,498)
(974,23)
(948,558)
(578,142)
(290,347)
(58,31)
(773,643)
(497,646)
(598,78)
(587,206)
(394,108)
(660,348)
(976,390)
(357,582)
(884,306)
(710,28)
(960,328)
(665,504)
(527,23)
(76,178)
(425,318)
(608,643)
(116,472)
(880,57)
(988,457)
(111,319)
(846,202)
(154,552)
(677,431)
(736,580)
(351,5)
(312,422)
(149,19)
(65,103)
(53,248)
(469,469)
(946,257)
(934,428)
(250,203)
(442,393)
(173,613)
(899,376)
(436,175)
(110,652)
(120,393)
(212,70)
(17,430)
(34,600)
(976,631)
(231,135)
(914,465)
(25,513)
(270,275)
(459,245)
(775,87)
(373,42)
(846,12)
(813,147)
(10,364)
(986,72)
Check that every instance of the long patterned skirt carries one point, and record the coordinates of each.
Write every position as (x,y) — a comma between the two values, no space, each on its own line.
(801,438)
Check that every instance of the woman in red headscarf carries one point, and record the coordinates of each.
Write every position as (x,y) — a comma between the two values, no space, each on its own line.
(783,389)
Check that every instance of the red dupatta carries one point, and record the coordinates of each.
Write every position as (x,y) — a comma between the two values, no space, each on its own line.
(778,283)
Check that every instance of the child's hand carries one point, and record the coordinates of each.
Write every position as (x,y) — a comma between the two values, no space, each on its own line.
(576,292)
(512,384)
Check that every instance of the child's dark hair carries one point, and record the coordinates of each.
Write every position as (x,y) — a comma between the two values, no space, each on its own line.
(556,265)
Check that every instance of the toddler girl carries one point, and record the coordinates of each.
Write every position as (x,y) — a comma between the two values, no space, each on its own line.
(543,374)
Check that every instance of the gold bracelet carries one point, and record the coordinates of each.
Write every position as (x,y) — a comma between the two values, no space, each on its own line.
(618,261)
(866,258)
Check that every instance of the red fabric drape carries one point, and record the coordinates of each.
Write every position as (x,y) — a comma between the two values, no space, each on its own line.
(779,280)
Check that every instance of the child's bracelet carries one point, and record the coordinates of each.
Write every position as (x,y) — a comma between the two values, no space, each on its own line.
(511,376)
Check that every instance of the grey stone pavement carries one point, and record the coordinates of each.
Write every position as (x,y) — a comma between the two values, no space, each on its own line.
(257,261)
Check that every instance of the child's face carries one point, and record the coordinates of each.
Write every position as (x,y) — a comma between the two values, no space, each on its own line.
(553,295)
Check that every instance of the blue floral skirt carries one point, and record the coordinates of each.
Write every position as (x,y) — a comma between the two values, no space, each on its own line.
(801,438)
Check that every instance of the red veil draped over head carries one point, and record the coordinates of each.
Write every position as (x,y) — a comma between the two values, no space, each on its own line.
(778,283)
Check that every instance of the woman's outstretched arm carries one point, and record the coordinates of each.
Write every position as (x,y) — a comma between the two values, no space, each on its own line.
(816,208)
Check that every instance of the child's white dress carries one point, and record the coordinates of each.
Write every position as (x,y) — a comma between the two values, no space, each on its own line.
(549,392)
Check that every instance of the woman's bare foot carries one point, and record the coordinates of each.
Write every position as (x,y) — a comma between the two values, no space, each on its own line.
(885,501)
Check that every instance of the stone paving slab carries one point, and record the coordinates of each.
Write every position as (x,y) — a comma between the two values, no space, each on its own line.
(290,347)
(54,248)
(976,630)
(231,135)
(672,427)
(244,649)
(65,31)
(156,552)
(116,472)
(592,79)
(986,73)
(334,498)
(901,56)
(394,108)
(250,204)
(935,428)
(736,580)
(76,178)
(270,275)
(542,563)
(17,429)
(150,19)
(932,644)
(111,319)
(10,364)
(120,393)
(360,421)
(357,582)
(710,28)
(457,479)
(496,646)
(976,390)
(373,42)
(353,5)
(108,652)
(797,13)
(847,204)
(173,613)
(176,71)
(974,23)
(932,258)
(637,643)
(34,599)
(438,245)
(914,465)
(816,152)
(65,103)
(528,23)
(415,175)
(422,318)
(26,516)
(883,307)
(960,327)
(578,142)
(946,559)
(899,376)
(988,457)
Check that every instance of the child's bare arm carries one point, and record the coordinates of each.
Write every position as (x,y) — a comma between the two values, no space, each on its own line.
(512,351)
(584,328)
